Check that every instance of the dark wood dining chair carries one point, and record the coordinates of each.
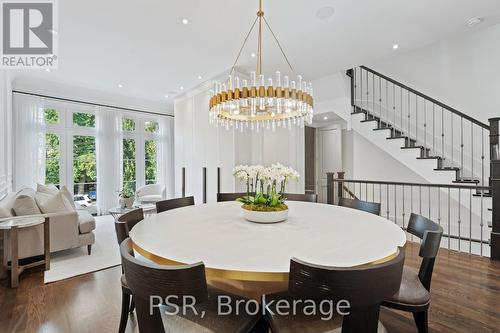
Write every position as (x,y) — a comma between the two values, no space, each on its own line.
(370,207)
(165,205)
(123,225)
(364,287)
(414,294)
(147,280)
(229,196)
(307,197)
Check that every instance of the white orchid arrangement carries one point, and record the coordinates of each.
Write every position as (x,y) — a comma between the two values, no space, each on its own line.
(265,185)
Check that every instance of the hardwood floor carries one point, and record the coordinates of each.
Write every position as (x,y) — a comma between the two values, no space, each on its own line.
(465,298)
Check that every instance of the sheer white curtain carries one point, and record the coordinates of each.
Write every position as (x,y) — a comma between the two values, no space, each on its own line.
(165,152)
(29,141)
(108,158)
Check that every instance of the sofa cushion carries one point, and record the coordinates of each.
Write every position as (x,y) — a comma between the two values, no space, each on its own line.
(7,203)
(49,203)
(150,198)
(25,205)
(86,222)
(48,189)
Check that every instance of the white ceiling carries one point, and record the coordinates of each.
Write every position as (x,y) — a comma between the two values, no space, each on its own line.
(143,44)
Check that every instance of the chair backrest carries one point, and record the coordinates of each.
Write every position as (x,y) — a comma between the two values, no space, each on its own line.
(165,205)
(147,280)
(126,222)
(430,233)
(370,207)
(364,287)
(307,197)
(229,196)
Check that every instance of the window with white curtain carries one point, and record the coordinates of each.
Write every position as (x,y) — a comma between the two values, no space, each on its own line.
(93,151)
(70,150)
(139,151)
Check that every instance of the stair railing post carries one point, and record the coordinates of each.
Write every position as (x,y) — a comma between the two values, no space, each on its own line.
(183,184)
(329,188)
(340,191)
(495,187)
(204,182)
(351,73)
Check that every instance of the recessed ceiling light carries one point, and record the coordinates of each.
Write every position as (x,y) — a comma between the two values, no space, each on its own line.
(474,21)
(325,12)
(47,69)
(200,77)
(253,55)
(120,85)
(166,96)
(185,21)
(325,118)
(52,31)
(395,46)
(181,88)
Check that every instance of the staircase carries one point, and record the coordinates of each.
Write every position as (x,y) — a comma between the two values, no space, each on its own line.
(454,146)
(441,144)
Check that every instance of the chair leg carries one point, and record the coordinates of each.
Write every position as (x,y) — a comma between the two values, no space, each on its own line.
(363,319)
(124,314)
(421,321)
(132,305)
(89,248)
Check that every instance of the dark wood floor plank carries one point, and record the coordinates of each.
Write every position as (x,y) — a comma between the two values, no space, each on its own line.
(465,298)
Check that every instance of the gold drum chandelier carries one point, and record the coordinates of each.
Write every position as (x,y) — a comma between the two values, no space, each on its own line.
(261,102)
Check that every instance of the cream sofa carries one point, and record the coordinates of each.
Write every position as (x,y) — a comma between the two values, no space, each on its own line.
(67,230)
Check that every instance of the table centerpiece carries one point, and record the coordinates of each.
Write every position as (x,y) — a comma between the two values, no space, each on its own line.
(264,201)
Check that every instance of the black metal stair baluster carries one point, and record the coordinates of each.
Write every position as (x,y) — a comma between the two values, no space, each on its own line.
(361,84)
(462,171)
(395,206)
(439,204)
(408,122)
(442,133)
(470,221)
(481,224)
(403,215)
(373,93)
(425,128)
(452,139)
(380,99)
(394,104)
(416,119)
(482,158)
(459,217)
(433,129)
(472,150)
(367,92)
(401,108)
(387,205)
(449,217)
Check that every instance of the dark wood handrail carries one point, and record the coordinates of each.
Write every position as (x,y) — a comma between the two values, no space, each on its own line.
(353,196)
(449,108)
(378,182)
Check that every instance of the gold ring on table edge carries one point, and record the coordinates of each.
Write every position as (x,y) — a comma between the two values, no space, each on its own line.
(239,275)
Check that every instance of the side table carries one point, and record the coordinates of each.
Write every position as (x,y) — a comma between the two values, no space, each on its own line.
(10,227)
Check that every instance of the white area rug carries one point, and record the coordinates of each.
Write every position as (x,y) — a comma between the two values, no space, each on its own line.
(74,262)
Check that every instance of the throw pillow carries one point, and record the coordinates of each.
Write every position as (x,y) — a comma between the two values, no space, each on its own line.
(53,203)
(64,190)
(25,205)
(49,189)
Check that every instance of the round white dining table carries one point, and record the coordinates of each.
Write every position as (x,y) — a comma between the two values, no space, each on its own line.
(236,249)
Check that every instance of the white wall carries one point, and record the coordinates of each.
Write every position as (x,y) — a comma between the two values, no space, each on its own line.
(87,95)
(5,133)
(364,160)
(463,72)
(200,144)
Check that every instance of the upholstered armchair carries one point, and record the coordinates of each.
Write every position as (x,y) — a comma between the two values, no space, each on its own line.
(150,193)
